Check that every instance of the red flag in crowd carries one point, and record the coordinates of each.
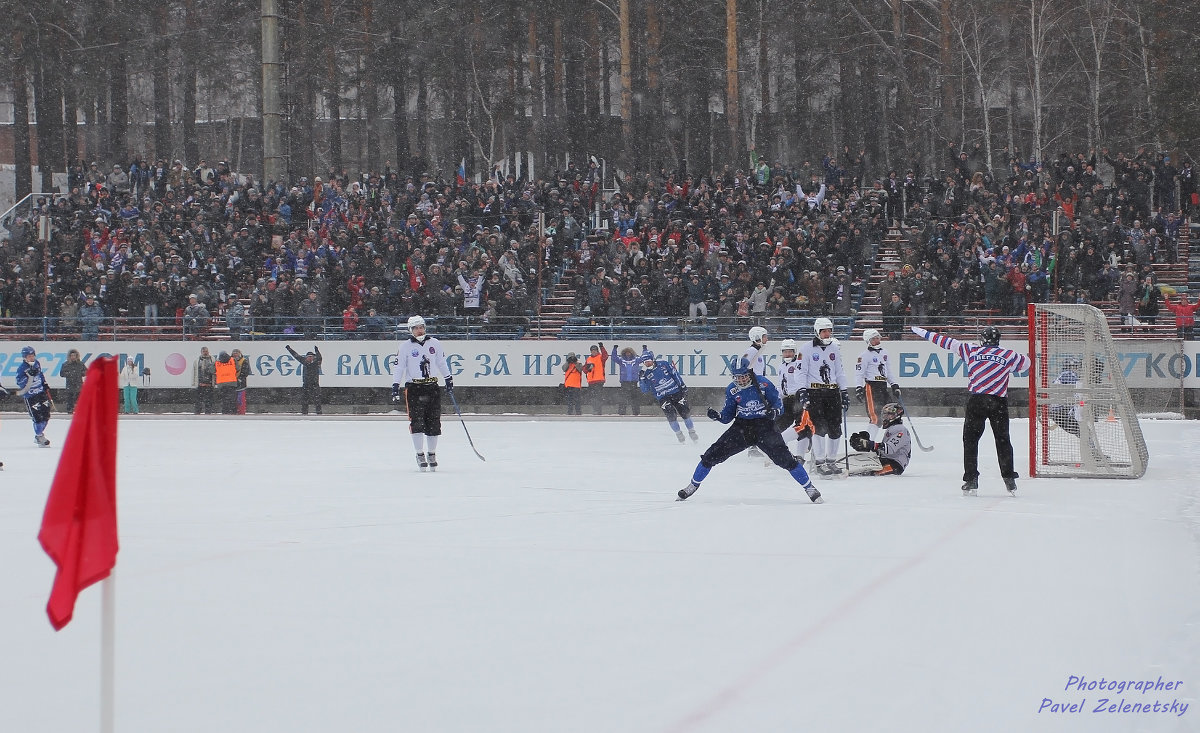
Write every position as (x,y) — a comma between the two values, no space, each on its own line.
(79,527)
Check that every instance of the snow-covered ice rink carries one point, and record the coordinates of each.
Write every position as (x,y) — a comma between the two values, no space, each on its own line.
(298,576)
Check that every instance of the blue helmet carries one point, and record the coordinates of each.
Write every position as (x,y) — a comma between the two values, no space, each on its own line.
(28,351)
(647,355)
(742,376)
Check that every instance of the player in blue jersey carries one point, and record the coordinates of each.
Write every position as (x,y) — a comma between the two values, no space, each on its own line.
(31,385)
(660,379)
(751,404)
(989,367)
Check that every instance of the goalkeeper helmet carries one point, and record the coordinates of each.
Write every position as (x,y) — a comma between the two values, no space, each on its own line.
(758,335)
(742,376)
(891,414)
(990,336)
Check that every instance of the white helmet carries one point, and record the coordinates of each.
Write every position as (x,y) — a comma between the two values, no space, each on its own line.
(413,322)
(871,334)
(758,335)
(820,325)
(787,345)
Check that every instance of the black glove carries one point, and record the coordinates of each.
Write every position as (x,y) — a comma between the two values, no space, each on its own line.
(683,391)
(772,413)
(396,392)
(860,394)
(600,346)
(801,400)
(862,442)
(34,369)
(450,385)
(845,400)
(713,415)
(896,391)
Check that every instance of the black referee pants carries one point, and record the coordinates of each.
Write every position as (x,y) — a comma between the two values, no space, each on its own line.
(982,409)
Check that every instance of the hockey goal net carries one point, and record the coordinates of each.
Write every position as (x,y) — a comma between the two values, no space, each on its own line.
(1082,418)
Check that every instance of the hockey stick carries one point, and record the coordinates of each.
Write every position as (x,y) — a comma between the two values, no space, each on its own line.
(913,429)
(464,424)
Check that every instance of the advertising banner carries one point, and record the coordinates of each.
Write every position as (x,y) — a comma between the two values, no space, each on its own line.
(1146,363)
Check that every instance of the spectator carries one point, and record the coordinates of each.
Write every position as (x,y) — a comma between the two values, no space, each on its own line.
(204,375)
(129,378)
(1185,316)
(310,373)
(629,397)
(90,317)
(235,318)
(226,380)
(1148,301)
(73,371)
(893,317)
(572,384)
(195,316)
(243,374)
(68,315)
(594,368)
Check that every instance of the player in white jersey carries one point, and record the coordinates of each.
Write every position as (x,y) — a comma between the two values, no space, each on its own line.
(419,362)
(873,377)
(757,360)
(825,393)
(888,456)
(793,422)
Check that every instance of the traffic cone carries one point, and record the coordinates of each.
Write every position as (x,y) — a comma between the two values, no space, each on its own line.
(1112,417)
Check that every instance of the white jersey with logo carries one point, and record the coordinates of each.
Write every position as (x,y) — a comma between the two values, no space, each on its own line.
(874,365)
(791,379)
(420,362)
(758,362)
(822,366)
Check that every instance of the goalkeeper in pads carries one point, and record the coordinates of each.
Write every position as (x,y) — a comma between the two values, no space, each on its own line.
(887,457)
(751,406)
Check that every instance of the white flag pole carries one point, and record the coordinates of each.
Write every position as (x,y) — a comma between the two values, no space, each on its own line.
(108,636)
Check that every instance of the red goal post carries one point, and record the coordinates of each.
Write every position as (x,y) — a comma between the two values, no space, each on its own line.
(1082,421)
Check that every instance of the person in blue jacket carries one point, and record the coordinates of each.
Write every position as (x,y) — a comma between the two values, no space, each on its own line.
(660,379)
(751,404)
(31,384)
(628,367)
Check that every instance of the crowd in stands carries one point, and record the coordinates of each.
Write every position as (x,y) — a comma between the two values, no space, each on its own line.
(173,244)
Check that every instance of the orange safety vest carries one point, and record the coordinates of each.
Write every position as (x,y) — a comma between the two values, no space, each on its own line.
(572,377)
(596,375)
(227,372)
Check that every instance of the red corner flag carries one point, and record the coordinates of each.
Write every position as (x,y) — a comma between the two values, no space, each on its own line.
(79,528)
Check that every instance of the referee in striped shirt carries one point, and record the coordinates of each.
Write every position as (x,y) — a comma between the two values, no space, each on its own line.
(989,367)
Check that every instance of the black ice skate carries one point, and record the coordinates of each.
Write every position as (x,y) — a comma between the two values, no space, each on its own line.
(41,440)
(1011,484)
(970,487)
(688,490)
(422,464)
(814,494)
(432,461)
